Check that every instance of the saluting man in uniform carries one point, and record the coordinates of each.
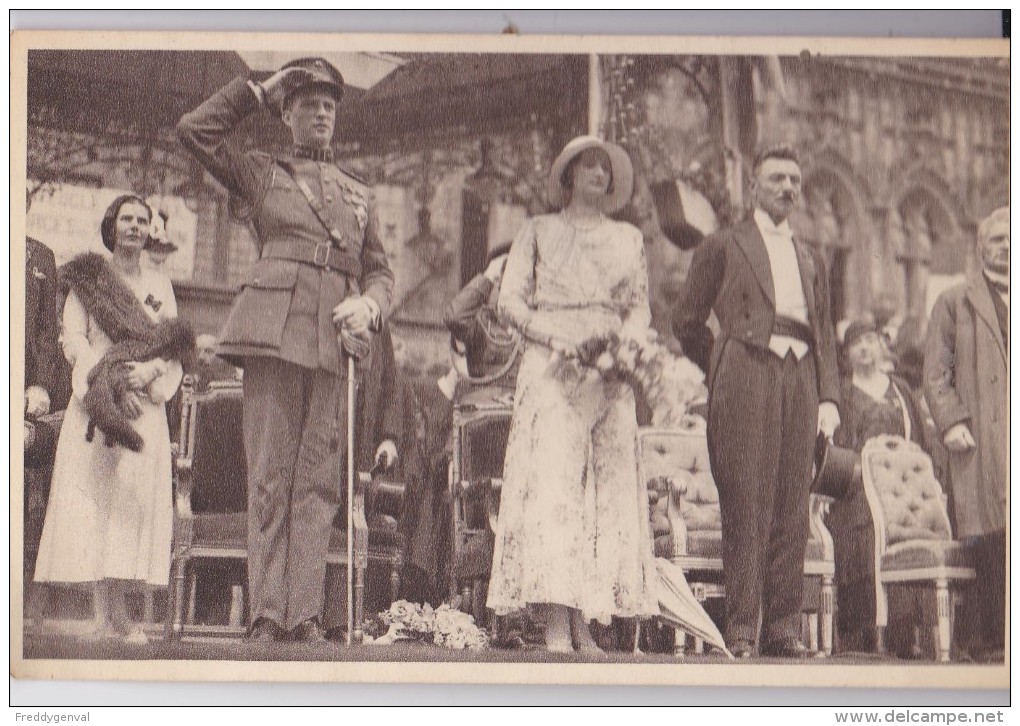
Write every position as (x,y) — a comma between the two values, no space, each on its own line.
(321,272)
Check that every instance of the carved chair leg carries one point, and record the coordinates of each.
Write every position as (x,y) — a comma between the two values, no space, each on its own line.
(175,609)
(828,606)
(813,631)
(192,589)
(679,642)
(944,619)
(359,605)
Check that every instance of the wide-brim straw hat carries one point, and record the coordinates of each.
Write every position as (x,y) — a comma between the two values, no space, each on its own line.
(622,169)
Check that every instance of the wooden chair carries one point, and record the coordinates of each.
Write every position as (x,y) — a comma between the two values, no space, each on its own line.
(210,509)
(687,525)
(913,536)
(481,426)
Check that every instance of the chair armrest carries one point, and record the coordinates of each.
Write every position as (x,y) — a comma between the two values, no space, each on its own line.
(677,524)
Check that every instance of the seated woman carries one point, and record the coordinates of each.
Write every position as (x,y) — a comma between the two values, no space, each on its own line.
(874,403)
(491,349)
(573,535)
(109,519)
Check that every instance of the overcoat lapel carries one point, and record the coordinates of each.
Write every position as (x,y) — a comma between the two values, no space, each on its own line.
(981,298)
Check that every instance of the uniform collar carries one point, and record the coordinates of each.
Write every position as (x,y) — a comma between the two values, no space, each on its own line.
(307,152)
(767,226)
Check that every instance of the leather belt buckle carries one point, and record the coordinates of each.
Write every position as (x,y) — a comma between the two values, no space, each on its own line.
(321,256)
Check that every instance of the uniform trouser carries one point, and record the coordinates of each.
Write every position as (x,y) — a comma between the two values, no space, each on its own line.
(763,414)
(294,438)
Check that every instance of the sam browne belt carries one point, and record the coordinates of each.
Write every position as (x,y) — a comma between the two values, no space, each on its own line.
(323,255)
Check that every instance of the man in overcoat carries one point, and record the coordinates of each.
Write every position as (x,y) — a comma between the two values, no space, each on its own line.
(966,373)
(773,385)
(321,270)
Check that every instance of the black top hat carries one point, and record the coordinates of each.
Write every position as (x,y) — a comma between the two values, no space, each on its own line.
(322,74)
(837,470)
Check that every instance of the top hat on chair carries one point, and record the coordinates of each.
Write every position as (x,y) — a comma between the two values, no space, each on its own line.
(837,470)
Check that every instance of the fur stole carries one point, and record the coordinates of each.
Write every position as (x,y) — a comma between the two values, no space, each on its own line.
(115,309)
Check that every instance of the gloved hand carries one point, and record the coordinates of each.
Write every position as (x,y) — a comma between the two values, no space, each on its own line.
(281,83)
(37,401)
(959,438)
(494,272)
(828,419)
(356,314)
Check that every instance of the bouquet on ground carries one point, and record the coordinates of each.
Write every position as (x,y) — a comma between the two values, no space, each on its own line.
(446,626)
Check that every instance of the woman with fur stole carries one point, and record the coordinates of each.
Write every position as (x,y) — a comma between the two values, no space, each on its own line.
(110,517)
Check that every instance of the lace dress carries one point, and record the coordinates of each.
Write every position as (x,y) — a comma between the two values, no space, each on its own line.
(573,526)
(110,510)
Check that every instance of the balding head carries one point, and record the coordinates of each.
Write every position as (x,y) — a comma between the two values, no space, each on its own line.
(993,241)
(205,345)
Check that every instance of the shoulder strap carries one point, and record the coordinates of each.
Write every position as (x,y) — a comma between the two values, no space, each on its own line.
(316,206)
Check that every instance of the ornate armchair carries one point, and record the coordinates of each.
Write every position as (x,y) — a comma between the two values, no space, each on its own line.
(481,426)
(913,536)
(687,526)
(210,509)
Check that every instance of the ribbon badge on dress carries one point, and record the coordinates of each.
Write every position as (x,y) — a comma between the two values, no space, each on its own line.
(153,302)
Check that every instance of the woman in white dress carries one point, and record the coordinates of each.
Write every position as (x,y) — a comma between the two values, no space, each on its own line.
(109,519)
(573,534)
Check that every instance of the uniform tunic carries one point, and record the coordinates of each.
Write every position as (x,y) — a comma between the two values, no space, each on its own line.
(281,330)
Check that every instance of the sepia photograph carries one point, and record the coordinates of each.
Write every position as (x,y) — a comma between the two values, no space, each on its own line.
(510,359)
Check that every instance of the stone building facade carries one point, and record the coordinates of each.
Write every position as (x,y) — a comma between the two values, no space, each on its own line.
(902,157)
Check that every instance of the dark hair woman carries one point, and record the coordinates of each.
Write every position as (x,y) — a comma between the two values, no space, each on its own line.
(573,534)
(109,518)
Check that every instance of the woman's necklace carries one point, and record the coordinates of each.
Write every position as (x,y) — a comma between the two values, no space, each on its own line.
(592,223)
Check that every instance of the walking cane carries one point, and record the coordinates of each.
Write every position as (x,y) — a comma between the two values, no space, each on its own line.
(350,498)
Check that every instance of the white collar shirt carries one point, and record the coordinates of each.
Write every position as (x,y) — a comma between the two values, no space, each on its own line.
(790,300)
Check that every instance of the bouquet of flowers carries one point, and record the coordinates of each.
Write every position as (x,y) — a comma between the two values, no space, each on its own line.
(669,383)
(446,626)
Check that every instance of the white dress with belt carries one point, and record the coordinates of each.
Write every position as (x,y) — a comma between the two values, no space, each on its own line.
(573,525)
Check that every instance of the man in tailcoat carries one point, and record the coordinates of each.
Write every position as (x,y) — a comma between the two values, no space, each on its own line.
(321,275)
(773,385)
(966,374)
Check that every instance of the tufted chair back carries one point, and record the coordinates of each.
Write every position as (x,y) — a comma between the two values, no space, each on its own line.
(906,499)
(683,499)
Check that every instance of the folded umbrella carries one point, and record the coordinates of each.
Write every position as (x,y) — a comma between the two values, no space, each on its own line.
(679,607)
